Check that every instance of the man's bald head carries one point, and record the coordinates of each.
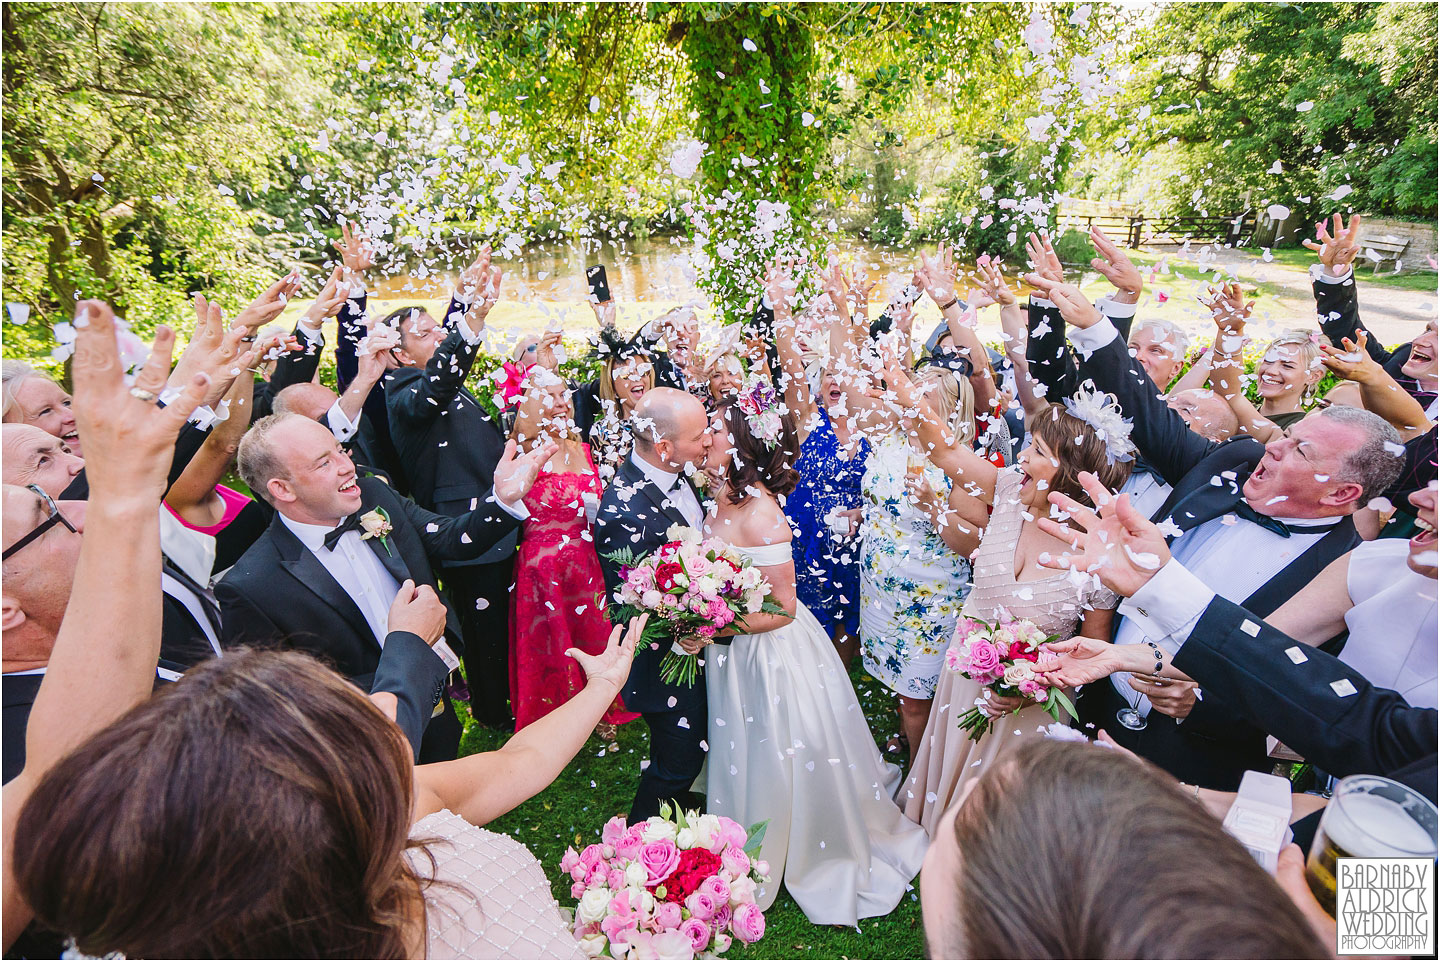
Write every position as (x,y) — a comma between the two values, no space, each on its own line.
(671,428)
(1206,412)
(309,400)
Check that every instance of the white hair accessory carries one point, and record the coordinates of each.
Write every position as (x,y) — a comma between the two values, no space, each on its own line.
(1102,412)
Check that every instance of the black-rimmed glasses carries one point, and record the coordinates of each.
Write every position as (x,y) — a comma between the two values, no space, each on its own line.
(55,518)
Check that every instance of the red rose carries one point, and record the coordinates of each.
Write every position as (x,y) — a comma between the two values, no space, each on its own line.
(1019,651)
(665,573)
(696,865)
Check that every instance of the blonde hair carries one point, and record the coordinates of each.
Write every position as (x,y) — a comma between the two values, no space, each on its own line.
(12,374)
(955,399)
(607,377)
(1307,341)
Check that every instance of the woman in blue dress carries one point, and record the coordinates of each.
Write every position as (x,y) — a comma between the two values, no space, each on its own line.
(824,508)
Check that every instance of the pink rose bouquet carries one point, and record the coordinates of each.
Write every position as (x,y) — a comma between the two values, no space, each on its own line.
(672,887)
(1007,658)
(689,586)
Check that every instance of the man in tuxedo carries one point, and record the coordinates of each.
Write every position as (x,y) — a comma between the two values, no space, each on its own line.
(1311,701)
(450,446)
(1256,522)
(649,494)
(325,574)
(345,415)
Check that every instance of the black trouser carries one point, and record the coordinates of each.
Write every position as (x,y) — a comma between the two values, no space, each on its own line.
(442,736)
(480,597)
(675,760)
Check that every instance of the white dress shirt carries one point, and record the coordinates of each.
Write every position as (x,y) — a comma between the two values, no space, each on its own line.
(681,497)
(355,567)
(1147,492)
(1232,556)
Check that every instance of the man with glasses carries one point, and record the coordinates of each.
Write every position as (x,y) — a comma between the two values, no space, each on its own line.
(42,544)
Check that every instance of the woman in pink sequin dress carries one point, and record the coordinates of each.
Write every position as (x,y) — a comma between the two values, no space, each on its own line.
(557,600)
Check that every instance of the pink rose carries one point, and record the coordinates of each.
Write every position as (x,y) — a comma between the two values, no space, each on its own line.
(705,631)
(721,918)
(701,906)
(697,566)
(592,856)
(697,932)
(732,833)
(628,846)
(748,923)
(736,862)
(616,879)
(613,831)
(660,858)
(984,659)
(717,888)
(569,860)
(953,659)
(577,890)
(668,915)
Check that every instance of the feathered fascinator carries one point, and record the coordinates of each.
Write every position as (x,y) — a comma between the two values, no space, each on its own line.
(1102,413)
(609,343)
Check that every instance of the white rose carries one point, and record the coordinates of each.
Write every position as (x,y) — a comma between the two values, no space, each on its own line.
(1017,672)
(592,945)
(593,906)
(635,875)
(706,829)
(672,945)
(656,829)
(373,524)
(742,891)
(685,838)
(651,598)
(706,586)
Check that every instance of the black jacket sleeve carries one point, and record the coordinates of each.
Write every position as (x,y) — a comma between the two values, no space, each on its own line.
(242,621)
(350,323)
(1052,363)
(411,671)
(462,537)
(1356,728)
(424,398)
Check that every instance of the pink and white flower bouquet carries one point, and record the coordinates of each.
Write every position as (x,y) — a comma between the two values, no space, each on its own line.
(1007,658)
(667,888)
(689,586)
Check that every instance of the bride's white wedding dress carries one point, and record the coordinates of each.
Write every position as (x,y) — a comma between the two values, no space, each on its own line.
(788,742)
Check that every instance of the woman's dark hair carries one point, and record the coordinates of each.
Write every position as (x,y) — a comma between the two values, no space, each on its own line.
(1078,448)
(752,461)
(258,808)
(1073,851)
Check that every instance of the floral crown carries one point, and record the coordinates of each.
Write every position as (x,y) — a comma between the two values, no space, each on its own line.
(760,403)
(1101,412)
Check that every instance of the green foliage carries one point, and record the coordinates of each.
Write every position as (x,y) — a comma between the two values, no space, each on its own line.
(1073,248)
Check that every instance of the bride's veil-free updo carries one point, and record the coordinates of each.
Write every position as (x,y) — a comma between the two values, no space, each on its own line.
(753,461)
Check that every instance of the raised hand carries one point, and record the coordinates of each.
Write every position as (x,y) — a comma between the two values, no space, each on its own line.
(213,351)
(545,355)
(1228,307)
(418,610)
(1074,306)
(356,251)
(1043,259)
(514,476)
(1351,360)
(1116,266)
(1118,544)
(612,666)
(129,440)
(270,304)
(937,275)
(479,288)
(992,282)
(780,286)
(327,303)
(1337,249)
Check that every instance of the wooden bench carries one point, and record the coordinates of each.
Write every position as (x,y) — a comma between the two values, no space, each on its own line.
(1382,249)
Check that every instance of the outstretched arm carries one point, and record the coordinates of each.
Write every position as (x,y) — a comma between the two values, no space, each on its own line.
(1230,310)
(1379,392)
(962,466)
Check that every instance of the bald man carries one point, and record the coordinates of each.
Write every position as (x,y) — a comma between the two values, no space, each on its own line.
(649,494)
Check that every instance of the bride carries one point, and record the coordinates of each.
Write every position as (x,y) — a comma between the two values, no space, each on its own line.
(788,742)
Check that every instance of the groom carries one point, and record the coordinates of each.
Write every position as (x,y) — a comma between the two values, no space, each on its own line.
(649,494)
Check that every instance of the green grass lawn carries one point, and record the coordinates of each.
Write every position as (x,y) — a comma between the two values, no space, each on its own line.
(600,784)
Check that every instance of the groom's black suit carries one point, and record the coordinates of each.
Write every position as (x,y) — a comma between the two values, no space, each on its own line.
(279,592)
(635,514)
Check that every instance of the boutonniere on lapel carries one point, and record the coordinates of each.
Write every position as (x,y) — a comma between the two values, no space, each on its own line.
(376,524)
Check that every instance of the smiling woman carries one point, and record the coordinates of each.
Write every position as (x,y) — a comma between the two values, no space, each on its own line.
(30,397)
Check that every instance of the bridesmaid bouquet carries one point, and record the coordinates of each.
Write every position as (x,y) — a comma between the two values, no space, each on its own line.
(689,586)
(1005,657)
(667,888)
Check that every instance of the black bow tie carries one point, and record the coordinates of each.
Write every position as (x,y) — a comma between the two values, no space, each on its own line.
(351,523)
(1243,509)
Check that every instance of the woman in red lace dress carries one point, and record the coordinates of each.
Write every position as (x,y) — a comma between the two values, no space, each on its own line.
(556,603)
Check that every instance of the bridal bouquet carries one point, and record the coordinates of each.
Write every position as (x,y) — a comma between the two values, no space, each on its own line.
(1006,657)
(667,888)
(689,586)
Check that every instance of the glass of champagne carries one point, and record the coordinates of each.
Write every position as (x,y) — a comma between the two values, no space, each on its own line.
(1368,817)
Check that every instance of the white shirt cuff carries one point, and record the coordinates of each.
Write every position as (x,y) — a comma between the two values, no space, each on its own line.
(340,424)
(470,336)
(1113,308)
(316,336)
(1168,606)
(1041,303)
(518,510)
(167,397)
(1319,273)
(1088,340)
